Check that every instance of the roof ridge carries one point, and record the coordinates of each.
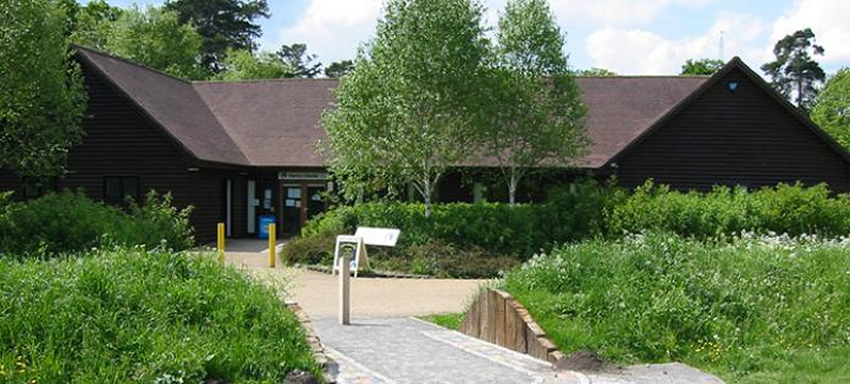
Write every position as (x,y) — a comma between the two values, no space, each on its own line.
(128,62)
(275,80)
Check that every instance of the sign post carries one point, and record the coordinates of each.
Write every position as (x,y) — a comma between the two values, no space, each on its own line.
(344,291)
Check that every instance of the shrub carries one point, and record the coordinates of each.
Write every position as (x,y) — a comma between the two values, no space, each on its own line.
(573,213)
(69,222)
(316,249)
(728,305)
(135,316)
(792,209)
(440,259)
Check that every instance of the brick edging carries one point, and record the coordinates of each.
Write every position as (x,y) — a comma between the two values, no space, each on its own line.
(497,317)
(319,354)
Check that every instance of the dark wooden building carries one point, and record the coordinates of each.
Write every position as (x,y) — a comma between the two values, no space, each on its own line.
(239,150)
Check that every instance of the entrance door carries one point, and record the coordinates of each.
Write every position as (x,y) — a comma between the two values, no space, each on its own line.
(292,209)
(316,205)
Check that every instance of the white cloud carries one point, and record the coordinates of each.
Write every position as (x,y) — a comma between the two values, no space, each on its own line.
(638,51)
(828,19)
(616,12)
(332,29)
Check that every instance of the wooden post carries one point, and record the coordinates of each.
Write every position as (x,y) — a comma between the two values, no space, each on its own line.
(221,243)
(344,289)
(272,244)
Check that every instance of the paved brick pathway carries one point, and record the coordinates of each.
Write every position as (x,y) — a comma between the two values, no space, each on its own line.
(407,350)
(385,346)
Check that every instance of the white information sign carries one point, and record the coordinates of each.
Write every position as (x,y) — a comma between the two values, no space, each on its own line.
(385,237)
(355,245)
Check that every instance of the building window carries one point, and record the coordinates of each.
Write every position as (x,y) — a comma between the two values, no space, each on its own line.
(35,187)
(117,189)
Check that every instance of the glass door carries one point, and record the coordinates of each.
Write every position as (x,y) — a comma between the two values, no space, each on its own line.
(292,209)
(316,204)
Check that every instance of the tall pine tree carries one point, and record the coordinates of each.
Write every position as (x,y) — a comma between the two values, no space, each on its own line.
(794,73)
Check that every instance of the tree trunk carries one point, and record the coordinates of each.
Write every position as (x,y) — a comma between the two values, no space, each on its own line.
(512,185)
(426,195)
(800,92)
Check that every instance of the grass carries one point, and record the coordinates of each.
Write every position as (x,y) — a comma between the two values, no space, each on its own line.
(449,320)
(749,309)
(136,316)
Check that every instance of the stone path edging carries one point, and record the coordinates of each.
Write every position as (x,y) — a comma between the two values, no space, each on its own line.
(329,366)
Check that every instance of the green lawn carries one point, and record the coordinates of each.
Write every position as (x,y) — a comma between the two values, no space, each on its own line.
(754,310)
(449,320)
(133,316)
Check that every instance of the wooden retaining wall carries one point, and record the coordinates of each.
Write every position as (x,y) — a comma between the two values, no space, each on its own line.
(498,318)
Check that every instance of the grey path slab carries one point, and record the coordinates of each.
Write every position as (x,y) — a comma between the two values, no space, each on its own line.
(406,350)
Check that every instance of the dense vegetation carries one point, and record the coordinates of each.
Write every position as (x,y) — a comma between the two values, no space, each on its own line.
(70,222)
(750,308)
(490,235)
(137,316)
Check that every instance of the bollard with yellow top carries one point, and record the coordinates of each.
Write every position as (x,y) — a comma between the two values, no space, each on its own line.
(221,243)
(272,244)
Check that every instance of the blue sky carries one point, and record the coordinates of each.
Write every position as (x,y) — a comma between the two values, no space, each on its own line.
(626,36)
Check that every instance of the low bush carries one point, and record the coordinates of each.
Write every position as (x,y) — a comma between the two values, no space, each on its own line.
(791,209)
(69,222)
(572,213)
(440,259)
(137,316)
(737,307)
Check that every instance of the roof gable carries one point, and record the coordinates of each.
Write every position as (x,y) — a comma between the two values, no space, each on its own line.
(172,104)
(735,64)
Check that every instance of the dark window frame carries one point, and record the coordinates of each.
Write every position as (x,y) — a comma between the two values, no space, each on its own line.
(33,187)
(124,183)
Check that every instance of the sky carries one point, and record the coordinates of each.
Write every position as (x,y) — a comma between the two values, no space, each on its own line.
(632,37)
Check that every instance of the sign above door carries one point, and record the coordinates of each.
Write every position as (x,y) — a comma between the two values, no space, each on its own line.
(302,175)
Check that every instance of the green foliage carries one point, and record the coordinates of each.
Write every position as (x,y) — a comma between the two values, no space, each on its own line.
(573,213)
(339,69)
(244,65)
(296,57)
(440,259)
(450,320)
(155,37)
(42,99)
(69,222)
(740,308)
(310,250)
(91,25)
(222,25)
(702,67)
(794,73)
(596,72)
(831,110)
(587,210)
(532,112)
(791,209)
(406,108)
(136,316)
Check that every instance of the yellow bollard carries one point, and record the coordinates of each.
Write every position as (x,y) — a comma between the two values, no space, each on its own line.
(221,243)
(272,244)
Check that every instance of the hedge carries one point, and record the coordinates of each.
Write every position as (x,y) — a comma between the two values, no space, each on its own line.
(70,222)
(587,210)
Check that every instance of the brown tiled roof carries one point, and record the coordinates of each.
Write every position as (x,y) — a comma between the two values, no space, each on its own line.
(275,123)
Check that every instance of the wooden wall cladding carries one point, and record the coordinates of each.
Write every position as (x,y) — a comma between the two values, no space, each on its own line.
(498,318)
